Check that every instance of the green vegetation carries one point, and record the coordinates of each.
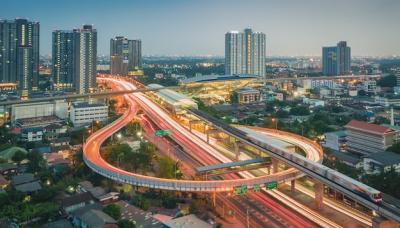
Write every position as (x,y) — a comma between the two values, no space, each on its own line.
(395,148)
(123,156)
(387,182)
(234,98)
(300,111)
(388,81)
(342,168)
(197,205)
(18,156)
(124,223)
(113,210)
(141,202)
(168,168)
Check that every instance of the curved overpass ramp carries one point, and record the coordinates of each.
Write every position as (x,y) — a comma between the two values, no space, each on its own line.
(92,157)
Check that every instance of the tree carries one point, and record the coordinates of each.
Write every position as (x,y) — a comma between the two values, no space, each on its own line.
(388,81)
(169,201)
(113,210)
(387,182)
(18,156)
(395,148)
(124,223)
(234,98)
(167,168)
(300,111)
(36,161)
(140,201)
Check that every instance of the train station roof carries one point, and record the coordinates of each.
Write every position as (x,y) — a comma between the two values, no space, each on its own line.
(213,78)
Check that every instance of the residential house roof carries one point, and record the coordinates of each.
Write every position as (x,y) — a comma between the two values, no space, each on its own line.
(29,187)
(62,223)
(367,127)
(96,219)
(187,221)
(76,199)
(7,166)
(385,158)
(3,181)
(22,179)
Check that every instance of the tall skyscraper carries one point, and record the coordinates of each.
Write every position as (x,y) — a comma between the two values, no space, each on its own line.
(245,52)
(62,59)
(336,60)
(397,77)
(19,54)
(135,54)
(84,57)
(125,55)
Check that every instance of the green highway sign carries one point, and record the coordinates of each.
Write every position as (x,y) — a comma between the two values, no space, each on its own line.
(256,188)
(241,190)
(162,133)
(271,185)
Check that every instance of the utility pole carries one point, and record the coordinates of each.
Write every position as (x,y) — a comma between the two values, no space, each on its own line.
(247,218)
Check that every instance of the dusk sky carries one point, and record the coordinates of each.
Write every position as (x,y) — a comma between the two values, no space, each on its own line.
(188,27)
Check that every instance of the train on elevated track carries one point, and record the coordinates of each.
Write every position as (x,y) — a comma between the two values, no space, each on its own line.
(337,177)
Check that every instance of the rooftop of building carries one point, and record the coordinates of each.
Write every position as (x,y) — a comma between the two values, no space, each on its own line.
(344,157)
(31,129)
(187,221)
(62,223)
(212,78)
(368,127)
(3,181)
(171,96)
(29,187)
(385,158)
(77,198)
(87,105)
(338,133)
(96,218)
(247,90)
(22,178)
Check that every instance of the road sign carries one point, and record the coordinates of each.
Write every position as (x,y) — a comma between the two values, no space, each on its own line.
(256,188)
(241,190)
(162,133)
(271,185)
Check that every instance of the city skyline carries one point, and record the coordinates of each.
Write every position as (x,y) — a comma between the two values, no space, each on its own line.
(199,28)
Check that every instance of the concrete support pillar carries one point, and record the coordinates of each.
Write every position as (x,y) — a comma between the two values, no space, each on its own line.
(293,185)
(319,192)
(208,136)
(214,194)
(237,150)
(275,164)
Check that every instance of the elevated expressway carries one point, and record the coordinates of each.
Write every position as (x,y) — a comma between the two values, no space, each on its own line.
(192,143)
(182,136)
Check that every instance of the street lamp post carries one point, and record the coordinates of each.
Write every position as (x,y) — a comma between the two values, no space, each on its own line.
(275,120)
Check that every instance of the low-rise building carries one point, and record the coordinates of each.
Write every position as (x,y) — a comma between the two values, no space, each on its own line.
(381,162)
(84,113)
(313,102)
(8,169)
(26,183)
(335,140)
(365,138)
(39,109)
(248,95)
(72,203)
(388,101)
(32,134)
(369,86)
